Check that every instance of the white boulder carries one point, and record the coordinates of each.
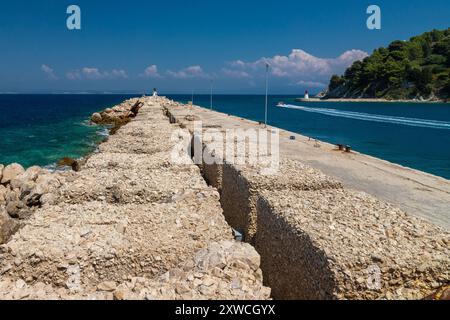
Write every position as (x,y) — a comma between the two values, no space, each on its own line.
(11,171)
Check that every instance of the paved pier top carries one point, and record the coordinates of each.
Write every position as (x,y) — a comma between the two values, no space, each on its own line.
(416,192)
(319,238)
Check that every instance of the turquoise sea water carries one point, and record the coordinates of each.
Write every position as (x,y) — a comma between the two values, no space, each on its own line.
(415,135)
(41,129)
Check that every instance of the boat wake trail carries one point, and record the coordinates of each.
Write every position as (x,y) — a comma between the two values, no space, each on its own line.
(414,122)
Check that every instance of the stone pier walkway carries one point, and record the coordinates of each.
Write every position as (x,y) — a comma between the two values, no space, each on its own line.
(131,225)
(418,193)
(331,225)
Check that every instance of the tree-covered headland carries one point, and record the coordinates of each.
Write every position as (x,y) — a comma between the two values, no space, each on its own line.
(414,69)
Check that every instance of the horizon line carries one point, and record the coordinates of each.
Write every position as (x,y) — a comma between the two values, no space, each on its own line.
(140,93)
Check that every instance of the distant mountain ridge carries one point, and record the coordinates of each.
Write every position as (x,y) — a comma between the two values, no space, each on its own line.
(415,69)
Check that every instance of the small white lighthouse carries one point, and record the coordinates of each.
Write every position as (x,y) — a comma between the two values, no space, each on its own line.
(306,95)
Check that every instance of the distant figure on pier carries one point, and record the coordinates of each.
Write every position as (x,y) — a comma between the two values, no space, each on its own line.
(155,93)
(306,95)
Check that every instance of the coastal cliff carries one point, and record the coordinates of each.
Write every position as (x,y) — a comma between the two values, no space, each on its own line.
(417,69)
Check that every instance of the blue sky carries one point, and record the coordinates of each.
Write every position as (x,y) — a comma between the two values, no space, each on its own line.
(179,46)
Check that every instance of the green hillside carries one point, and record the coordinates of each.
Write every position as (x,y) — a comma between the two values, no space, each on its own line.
(414,69)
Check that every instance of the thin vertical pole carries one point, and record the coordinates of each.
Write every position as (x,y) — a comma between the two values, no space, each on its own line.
(192,97)
(267,90)
(211,105)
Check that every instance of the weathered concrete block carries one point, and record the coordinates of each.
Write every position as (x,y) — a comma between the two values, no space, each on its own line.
(223,270)
(132,185)
(344,244)
(242,184)
(212,168)
(124,161)
(106,242)
(140,145)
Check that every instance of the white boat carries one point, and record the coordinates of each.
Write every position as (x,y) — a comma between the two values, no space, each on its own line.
(281,104)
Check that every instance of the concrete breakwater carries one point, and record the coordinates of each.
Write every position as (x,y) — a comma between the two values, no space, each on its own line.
(23,191)
(132,224)
(319,239)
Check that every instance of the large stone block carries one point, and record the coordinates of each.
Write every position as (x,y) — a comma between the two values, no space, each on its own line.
(344,244)
(241,186)
(83,245)
(11,171)
(132,185)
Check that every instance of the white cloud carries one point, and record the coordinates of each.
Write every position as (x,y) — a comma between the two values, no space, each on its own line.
(237,63)
(239,74)
(189,72)
(118,74)
(96,74)
(151,72)
(49,72)
(311,84)
(73,75)
(302,68)
(93,73)
(348,57)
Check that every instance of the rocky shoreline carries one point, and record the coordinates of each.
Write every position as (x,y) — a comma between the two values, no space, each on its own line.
(128,223)
(23,191)
(371,100)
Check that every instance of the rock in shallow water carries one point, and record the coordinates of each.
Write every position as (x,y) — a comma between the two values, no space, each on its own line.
(96,117)
(69,162)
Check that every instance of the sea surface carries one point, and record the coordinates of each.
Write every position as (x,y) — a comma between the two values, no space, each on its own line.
(415,135)
(41,129)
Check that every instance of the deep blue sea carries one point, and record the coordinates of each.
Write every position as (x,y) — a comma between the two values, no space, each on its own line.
(41,129)
(415,135)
